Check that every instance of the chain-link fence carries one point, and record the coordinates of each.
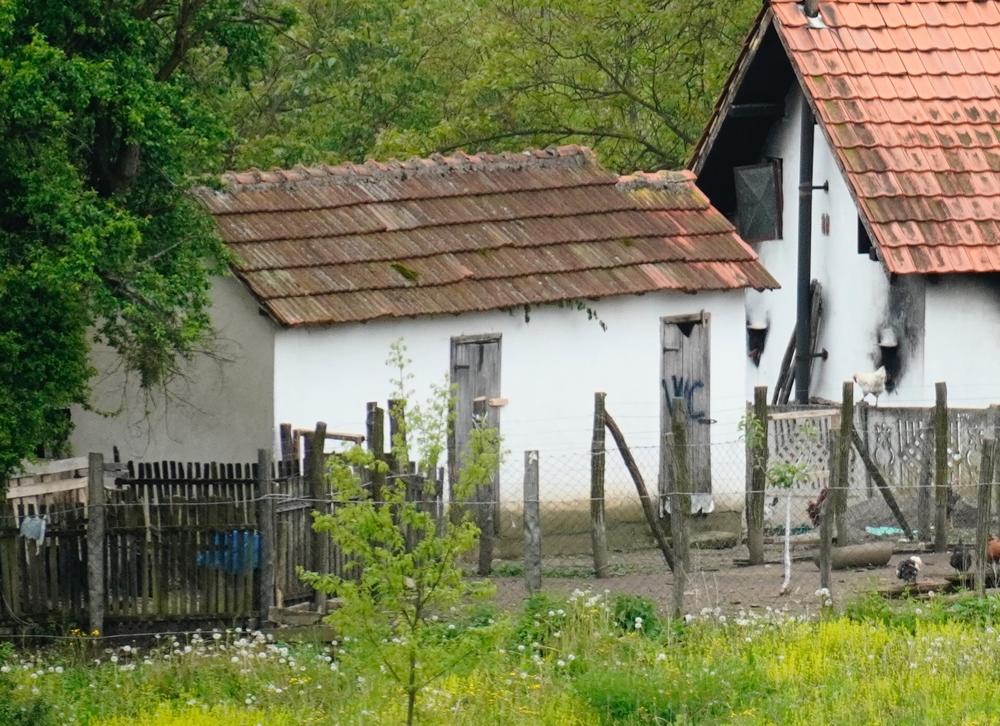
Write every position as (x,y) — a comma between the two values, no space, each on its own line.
(884,508)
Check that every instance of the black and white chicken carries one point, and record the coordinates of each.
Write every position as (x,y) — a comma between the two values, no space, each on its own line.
(909,569)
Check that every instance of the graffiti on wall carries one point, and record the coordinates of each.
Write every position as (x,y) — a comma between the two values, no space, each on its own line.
(679,387)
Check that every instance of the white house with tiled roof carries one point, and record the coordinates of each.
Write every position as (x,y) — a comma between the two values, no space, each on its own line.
(532,279)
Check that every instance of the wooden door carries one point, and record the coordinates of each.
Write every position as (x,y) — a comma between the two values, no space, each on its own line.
(475,373)
(684,376)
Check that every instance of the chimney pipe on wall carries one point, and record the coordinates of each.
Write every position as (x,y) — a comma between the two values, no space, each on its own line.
(803,344)
(810,8)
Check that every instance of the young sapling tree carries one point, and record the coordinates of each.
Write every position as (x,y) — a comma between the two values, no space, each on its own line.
(405,564)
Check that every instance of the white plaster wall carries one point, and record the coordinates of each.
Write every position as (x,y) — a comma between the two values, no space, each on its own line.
(221,410)
(855,288)
(963,339)
(550,369)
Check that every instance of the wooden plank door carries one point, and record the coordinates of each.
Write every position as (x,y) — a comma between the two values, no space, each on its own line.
(684,375)
(475,373)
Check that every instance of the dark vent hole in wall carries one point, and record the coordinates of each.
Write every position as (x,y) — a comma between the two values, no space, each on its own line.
(756,339)
(889,357)
(864,241)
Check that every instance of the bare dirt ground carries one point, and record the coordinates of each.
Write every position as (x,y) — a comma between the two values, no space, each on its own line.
(718,579)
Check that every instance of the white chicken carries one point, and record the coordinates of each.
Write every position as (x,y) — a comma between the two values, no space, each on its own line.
(871,384)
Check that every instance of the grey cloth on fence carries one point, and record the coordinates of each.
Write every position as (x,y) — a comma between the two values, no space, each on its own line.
(33,528)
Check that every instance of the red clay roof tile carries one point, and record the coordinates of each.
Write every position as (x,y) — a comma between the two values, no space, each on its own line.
(909,93)
(462,233)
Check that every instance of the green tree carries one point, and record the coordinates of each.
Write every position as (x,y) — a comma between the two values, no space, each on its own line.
(635,79)
(103,129)
(348,73)
(409,560)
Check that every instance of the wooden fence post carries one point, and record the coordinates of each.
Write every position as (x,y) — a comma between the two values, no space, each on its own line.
(484,498)
(994,419)
(983,514)
(598,532)
(532,524)
(375,434)
(843,468)
(941,467)
(826,514)
(680,503)
(399,450)
(266,531)
(287,443)
(96,518)
(319,491)
(652,519)
(757,452)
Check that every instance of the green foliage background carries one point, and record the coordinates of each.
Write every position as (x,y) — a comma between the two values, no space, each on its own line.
(111,110)
(635,79)
(104,128)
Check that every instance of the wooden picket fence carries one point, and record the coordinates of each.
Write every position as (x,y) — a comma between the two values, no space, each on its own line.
(178,542)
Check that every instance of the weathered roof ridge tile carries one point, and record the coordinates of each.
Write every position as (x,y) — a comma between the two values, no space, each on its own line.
(655,179)
(569,155)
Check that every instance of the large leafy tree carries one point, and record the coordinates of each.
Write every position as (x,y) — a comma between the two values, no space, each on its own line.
(635,79)
(103,126)
(346,75)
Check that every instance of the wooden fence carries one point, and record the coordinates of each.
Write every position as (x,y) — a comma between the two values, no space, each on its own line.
(178,542)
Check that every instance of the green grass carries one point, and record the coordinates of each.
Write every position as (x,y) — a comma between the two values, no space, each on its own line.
(560,661)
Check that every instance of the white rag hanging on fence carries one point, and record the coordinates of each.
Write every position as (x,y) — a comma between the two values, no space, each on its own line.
(33,528)
(701,503)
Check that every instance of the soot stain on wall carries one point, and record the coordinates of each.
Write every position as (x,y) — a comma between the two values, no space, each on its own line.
(903,324)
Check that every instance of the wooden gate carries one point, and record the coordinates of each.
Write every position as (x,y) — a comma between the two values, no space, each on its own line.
(475,374)
(684,376)
(46,578)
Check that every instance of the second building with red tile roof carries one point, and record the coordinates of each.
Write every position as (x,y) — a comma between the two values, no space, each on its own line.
(905,229)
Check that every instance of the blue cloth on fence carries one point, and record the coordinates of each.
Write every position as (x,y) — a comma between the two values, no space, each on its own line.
(883,531)
(235,552)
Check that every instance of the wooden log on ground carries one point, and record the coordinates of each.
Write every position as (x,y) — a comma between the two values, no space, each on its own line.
(598,531)
(532,524)
(648,509)
(880,482)
(921,587)
(869,554)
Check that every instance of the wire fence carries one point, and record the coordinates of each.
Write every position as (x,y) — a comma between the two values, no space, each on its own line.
(883,510)
(894,484)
